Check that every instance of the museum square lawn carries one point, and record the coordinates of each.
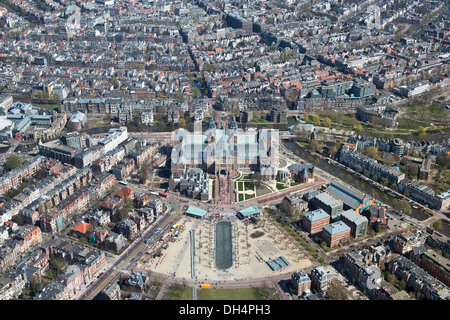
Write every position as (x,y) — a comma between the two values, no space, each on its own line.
(234,294)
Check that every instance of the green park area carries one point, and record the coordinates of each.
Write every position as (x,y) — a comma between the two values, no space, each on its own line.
(180,292)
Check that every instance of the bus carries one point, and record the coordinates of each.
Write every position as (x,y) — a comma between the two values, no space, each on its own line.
(205,286)
(162,194)
(123,182)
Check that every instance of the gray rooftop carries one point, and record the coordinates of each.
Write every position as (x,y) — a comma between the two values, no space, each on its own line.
(316,215)
(336,228)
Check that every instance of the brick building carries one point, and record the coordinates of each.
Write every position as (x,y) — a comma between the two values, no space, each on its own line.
(314,221)
(301,282)
(335,233)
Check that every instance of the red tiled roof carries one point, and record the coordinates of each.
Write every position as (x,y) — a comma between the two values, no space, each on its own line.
(82,227)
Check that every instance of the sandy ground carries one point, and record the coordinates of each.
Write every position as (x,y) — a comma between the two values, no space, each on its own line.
(250,254)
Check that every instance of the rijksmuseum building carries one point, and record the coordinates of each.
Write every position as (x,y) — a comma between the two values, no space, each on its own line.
(226,150)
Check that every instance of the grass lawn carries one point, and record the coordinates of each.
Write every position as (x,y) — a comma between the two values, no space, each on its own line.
(249,196)
(413,107)
(48,106)
(281,186)
(240,186)
(437,110)
(411,124)
(231,294)
(304,143)
(260,121)
(178,292)
(241,197)
(100,123)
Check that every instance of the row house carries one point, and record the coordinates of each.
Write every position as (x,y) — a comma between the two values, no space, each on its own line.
(12,250)
(366,274)
(355,159)
(295,204)
(104,183)
(67,285)
(436,265)
(35,265)
(29,236)
(55,220)
(141,156)
(439,241)
(12,284)
(105,162)
(421,193)
(419,280)
(123,169)
(14,177)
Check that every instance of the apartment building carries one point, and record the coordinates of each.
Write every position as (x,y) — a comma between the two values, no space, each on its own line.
(436,265)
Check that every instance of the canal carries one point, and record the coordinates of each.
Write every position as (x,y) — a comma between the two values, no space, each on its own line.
(349,178)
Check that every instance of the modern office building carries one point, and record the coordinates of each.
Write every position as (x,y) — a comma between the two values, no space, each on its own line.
(357,223)
(329,204)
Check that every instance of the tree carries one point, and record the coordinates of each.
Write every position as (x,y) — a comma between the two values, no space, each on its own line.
(421,131)
(371,151)
(181,122)
(316,120)
(437,224)
(314,145)
(404,206)
(358,128)
(196,92)
(12,163)
(327,122)
(143,173)
(336,291)
(305,116)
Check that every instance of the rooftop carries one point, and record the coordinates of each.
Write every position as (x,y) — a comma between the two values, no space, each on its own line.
(316,215)
(196,211)
(250,211)
(336,228)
